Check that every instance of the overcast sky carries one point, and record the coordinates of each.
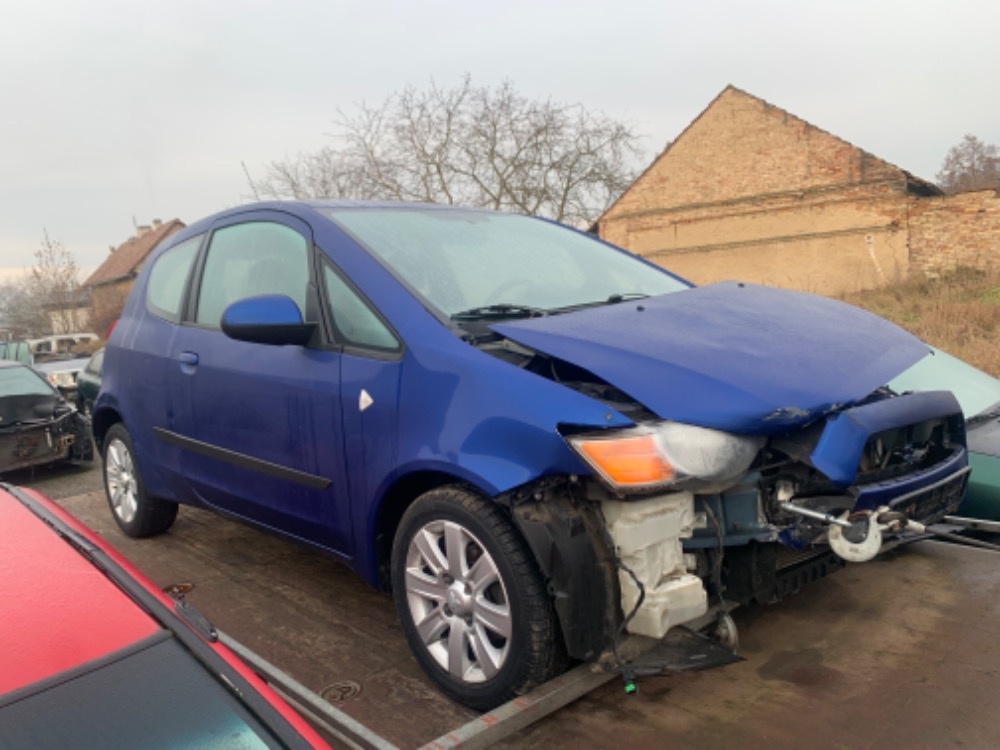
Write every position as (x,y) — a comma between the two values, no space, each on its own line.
(120,112)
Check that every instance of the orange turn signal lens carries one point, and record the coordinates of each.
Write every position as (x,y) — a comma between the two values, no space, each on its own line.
(628,461)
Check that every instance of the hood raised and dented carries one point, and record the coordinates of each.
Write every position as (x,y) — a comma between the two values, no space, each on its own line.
(730,356)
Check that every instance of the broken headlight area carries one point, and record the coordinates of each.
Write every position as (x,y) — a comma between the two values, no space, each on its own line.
(698,519)
(666,455)
(885,464)
(904,454)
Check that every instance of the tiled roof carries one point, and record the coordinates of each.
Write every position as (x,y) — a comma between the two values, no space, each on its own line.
(126,259)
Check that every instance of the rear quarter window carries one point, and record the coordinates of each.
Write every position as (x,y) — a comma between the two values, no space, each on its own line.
(165,290)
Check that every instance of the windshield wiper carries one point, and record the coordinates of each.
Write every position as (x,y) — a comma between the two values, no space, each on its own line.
(500,310)
(512,310)
(625,297)
(614,299)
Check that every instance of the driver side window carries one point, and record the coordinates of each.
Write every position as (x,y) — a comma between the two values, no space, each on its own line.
(248,260)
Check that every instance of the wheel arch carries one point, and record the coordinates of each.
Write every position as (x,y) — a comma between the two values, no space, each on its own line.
(101,422)
(399,496)
(564,535)
(526,646)
(568,538)
(137,511)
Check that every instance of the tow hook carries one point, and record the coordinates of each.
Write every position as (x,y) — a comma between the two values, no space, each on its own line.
(861,540)
(726,632)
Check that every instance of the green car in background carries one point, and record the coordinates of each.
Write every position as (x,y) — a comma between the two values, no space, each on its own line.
(88,383)
(979,396)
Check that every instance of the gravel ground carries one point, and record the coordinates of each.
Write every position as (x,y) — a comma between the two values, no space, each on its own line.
(59,481)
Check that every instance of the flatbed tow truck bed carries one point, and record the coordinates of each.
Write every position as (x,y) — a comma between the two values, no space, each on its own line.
(903,651)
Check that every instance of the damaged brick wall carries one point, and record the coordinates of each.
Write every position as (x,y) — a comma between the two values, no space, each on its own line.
(955,231)
(847,238)
(753,193)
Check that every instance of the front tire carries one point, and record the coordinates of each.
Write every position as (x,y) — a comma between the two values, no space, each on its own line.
(473,605)
(135,512)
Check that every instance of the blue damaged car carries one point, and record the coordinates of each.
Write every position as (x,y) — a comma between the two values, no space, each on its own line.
(538,442)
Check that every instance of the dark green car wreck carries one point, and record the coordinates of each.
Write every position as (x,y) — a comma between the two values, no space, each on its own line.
(37,425)
(979,395)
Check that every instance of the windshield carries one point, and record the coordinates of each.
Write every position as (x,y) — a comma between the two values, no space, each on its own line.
(463,260)
(172,703)
(975,390)
(22,381)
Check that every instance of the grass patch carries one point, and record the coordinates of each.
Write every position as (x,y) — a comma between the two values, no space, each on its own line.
(958,312)
(991,296)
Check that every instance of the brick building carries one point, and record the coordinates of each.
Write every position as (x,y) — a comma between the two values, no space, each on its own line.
(751,192)
(956,231)
(110,284)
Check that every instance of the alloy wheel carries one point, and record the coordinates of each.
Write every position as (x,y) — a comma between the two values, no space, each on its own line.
(122,489)
(458,601)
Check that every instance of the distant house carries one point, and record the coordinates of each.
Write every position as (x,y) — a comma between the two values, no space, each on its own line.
(751,192)
(110,284)
(71,313)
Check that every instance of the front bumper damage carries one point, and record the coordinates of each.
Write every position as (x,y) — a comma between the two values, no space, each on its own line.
(580,554)
(65,437)
(650,567)
(657,589)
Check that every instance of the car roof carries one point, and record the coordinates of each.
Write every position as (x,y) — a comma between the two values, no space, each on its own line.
(67,612)
(304,207)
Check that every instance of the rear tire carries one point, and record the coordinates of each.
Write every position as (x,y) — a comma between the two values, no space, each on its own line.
(135,512)
(471,600)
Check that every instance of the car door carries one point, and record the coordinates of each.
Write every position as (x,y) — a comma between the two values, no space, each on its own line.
(371,363)
(260,425)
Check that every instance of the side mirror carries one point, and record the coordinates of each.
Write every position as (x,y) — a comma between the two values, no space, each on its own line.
(268,319)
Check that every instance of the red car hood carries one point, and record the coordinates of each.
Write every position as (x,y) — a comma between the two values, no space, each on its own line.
(59,611)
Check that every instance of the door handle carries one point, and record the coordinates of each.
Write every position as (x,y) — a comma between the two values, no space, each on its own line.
(189,362)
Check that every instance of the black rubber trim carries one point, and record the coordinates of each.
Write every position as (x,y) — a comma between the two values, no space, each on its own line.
(91,666)
(570,548)
(243,461)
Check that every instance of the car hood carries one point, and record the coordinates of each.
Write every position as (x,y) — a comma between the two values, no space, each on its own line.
(730,356)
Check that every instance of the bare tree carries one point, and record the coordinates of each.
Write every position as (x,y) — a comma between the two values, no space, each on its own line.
(20,311)
(971,165)
(470,145)
(54,285)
